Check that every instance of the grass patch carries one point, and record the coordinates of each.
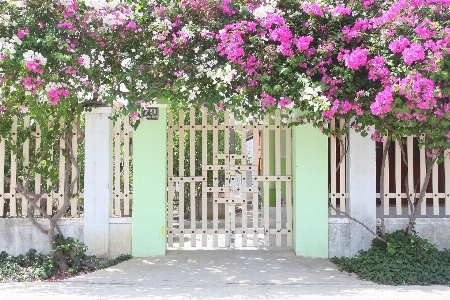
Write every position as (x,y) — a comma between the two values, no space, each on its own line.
(407,259)
(33,266)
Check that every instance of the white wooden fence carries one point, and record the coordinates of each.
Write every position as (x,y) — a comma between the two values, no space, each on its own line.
(437,202)
(12,204)
(437,197)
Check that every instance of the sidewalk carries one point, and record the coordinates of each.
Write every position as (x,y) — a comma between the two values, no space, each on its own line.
(219,274)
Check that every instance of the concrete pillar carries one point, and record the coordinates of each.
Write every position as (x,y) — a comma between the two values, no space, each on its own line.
(310,191)
(150,187)
(98,180)
(361,186)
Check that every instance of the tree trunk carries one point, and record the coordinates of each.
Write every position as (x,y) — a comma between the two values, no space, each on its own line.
(383,163)
(429,168)
(63,266)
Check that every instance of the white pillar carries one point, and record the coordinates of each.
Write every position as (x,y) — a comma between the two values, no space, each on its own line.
(361,186)
(97,180)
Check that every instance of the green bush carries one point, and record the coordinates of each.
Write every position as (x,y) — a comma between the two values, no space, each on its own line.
(33,266)
(407,259)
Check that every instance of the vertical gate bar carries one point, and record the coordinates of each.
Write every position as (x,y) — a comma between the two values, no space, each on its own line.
(233,185)
(278,173)
(204,175)
(2,177)
(226,135)
(423,207)
(74,200)
(447,185)
(12,185)
(244,184)
(342,170)
(215,183)
(435,191)
(288,186)
(192,173)
(333,153)
(38,177)
(117,158)
(181,174)
(266,171)
(410,157)
(386,180)
(26,160)
(170,185)
(255,186)
(398,179)
(126,166)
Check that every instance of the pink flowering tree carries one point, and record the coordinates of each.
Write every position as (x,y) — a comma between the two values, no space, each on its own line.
(371,63)
(57,59)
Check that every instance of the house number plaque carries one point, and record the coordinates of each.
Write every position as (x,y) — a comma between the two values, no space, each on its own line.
(150,113)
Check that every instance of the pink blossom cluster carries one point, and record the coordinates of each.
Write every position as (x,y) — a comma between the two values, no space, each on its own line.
(360,26)
(341,9)
(54,94)
(266,100)
(383,101)
(313,8)
(34,67)
(31,83)
(413,53)
(357,58)
(418,90)
(377,69)
(21,34)
(303,42)
(399,45)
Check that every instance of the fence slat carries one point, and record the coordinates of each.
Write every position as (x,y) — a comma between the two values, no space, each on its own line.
(62,169)
(74,200)
(423,207)
(12,185)
(278,173)
(181,173)
(205,175)
(192,173)
(288,186)
(26,160)
(126,166)
(447,184)
(386,179)
(2,177)
(215,183)
(117,192)
(37,177)
(398,181)
(435,181)
(171,188)
(255,200)
(266,186)
(342,170)
(410,157)
(226,133)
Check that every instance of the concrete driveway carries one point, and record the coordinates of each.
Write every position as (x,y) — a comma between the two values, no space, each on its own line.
(219,274)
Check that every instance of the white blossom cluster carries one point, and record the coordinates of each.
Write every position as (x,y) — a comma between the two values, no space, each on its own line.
(268,8)
(102,4)
(192,93)
(54,86)
(226,75)
(30,55)
(86,61)
(7,46)
(140,85)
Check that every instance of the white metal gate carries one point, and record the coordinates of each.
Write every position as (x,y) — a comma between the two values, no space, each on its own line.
(221,176)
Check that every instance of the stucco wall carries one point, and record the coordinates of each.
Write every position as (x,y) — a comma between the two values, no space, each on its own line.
(17,236)
(435,230)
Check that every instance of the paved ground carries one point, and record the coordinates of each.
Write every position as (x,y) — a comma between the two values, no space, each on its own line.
(219,274)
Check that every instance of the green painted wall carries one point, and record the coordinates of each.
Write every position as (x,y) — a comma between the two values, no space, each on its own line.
(310,190)
(149,187)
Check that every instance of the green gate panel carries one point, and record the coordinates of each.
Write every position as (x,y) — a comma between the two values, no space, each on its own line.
(149,187)
(310,191)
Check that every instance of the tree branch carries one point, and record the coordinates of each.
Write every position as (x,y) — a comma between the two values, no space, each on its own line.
(357,221)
